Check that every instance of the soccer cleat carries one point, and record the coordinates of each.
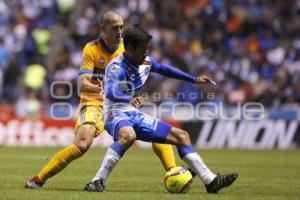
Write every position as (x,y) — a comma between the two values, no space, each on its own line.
(221,181)
(95,186)
(34,183)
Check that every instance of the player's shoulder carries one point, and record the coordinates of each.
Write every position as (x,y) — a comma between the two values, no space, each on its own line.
(118,60)
(115,70)
(116,64)
(91,45)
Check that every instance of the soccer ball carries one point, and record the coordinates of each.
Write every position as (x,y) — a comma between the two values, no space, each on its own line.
(178,180)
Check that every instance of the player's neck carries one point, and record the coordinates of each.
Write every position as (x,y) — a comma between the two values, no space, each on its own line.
(109,46)
(130,60)
(112,47)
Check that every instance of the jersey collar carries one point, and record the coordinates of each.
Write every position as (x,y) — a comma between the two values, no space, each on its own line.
(106,48)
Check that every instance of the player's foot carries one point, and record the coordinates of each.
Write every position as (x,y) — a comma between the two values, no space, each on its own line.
(192,172)
(220,182)
(95,186)
(34,183)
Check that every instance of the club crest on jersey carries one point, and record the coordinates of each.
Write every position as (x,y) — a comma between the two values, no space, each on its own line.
(101,61)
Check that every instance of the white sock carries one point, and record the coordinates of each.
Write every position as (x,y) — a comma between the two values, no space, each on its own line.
(195,162)
(110,160)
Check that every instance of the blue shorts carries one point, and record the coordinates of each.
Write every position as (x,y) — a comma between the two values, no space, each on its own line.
(147,128)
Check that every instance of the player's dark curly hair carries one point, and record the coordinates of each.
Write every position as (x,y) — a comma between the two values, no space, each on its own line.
(134,35)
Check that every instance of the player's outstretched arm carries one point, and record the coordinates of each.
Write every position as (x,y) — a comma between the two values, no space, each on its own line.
(173,72)
(203,79)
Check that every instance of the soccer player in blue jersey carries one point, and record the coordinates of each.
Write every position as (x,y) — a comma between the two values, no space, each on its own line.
(124,78)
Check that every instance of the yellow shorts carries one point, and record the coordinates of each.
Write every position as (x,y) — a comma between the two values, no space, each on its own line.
(90,114)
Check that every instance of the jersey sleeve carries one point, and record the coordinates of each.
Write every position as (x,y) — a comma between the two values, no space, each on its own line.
(88,61)
(171,71)
(114,84)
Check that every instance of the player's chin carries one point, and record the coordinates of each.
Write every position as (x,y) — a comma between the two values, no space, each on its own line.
(118,39)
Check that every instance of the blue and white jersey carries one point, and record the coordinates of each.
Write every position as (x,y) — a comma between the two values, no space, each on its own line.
(124,81)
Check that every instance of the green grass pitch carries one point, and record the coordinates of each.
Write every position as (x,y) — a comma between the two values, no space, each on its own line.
(263,175)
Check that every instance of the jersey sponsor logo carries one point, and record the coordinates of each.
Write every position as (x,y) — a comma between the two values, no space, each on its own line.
(101,61)
(114,68)
(112,74)
(132,77)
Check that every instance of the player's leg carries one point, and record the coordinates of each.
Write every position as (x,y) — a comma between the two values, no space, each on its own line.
(181,140)
(151,129)
(213,182)
(165,154)
(115,152)
(126,136)
(86,130)
(146,125)
(82,141)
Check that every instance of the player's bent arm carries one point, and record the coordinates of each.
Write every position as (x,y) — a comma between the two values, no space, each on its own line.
(113,92)
(171,72)
(86,84)
(87,70)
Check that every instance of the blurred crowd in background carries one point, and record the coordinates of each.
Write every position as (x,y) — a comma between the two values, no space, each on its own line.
(250,47)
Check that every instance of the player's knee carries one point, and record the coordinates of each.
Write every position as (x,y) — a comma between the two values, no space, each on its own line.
(127,139)
(127,136)
(183,138)
(83,145)
(84,137)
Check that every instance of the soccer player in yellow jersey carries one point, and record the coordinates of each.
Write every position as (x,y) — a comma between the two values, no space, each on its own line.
(89,124)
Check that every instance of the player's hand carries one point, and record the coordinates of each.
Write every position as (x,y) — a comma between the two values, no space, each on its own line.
(205,80)
(100,85)
(137,102)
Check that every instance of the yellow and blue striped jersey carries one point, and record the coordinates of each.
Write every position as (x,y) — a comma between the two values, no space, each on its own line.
(96,57)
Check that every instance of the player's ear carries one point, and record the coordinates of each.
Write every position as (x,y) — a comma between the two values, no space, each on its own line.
(102,28)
